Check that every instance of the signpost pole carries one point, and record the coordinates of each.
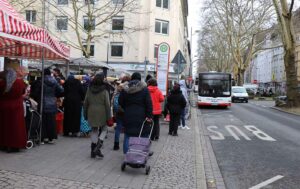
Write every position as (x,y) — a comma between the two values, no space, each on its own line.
(178,67)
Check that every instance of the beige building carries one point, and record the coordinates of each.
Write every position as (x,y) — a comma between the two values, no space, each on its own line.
(116,43)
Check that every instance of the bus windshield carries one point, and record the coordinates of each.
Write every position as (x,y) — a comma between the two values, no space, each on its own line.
(214,85)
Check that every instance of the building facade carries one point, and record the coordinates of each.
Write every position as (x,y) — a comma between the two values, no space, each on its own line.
(126,40)
(267,66)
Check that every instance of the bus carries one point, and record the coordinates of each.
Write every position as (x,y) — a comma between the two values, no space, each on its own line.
(196,86)
(214,89)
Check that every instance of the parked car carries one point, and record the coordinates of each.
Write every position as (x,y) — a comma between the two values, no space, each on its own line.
(240,94)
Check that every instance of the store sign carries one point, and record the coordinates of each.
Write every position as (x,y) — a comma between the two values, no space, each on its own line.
(1,64)
(162,67)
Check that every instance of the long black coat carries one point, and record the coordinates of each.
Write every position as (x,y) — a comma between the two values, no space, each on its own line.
(74,96)
(137,105)
(175,102)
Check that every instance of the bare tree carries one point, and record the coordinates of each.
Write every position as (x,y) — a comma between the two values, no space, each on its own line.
(98,14)
(239,21)
(284,14)
(214,50)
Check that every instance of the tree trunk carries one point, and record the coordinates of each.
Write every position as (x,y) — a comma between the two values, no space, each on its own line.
(291,78)
(240,77)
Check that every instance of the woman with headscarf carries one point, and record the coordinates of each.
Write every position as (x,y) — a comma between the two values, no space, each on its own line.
(52,90)
(12,122)
(74,96)
(97,111)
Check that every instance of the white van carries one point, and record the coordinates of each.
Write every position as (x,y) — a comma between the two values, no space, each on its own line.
(239,94)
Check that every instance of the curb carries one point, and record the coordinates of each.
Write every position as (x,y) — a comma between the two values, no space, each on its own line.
(200,172)
(278,109)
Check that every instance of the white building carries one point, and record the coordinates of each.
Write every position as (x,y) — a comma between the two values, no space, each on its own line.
(157,21)
(267,67)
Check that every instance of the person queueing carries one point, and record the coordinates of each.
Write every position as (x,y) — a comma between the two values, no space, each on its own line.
(84,125)
(184,91)
(97,111)
(157,98)
(175,104)
(118,111)
(136,103)
(12,123)
(52,90)
(74,96)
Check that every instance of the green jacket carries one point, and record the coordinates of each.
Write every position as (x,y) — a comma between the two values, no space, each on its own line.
(97,106)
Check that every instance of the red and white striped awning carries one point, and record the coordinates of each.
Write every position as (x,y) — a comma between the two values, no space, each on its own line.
(18,38)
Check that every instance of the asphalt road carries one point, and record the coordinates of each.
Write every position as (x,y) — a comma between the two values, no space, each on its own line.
(255,145)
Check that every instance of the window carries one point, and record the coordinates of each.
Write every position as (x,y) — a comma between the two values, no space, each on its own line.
(116,49)
(31,16)
(88,24)
(92,50)
(62,2)
(118,1)
(89,2)
(155,51)
(118,23)
(161,26)
(62,23)
(162,3)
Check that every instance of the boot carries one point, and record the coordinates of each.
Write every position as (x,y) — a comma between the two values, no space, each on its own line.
(93,146)
(116,146)
(97,150)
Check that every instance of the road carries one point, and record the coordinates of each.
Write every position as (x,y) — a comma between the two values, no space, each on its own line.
(254,143)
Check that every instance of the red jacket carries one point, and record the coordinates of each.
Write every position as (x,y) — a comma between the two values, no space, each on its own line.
(157,97)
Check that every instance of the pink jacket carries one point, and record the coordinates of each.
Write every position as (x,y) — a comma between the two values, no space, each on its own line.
(157,98)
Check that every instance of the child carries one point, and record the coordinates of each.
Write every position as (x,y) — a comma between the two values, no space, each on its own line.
(175,104)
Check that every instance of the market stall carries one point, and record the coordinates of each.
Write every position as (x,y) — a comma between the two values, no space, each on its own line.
(20,39)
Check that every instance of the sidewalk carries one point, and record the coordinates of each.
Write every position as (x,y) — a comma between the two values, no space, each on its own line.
(176,163)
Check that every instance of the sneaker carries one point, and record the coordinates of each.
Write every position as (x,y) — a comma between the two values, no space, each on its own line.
(186,127)
(180,126)
(51,142)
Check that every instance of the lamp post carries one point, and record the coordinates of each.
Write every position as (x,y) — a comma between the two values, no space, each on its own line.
(191,42)
(107,55)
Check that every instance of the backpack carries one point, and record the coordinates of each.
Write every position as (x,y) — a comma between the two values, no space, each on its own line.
(116,102)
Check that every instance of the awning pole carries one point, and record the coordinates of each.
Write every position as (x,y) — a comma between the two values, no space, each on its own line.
(43,77)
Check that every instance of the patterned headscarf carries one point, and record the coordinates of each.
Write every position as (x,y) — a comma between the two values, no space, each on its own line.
(10,78)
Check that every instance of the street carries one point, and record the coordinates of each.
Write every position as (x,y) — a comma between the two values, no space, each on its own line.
(255,145)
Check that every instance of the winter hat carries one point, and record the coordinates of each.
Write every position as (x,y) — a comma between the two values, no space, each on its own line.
(47,71)
(152,82)
(176,87)
(136,76)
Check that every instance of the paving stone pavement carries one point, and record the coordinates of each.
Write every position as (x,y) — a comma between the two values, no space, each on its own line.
(67,164)
(175,166)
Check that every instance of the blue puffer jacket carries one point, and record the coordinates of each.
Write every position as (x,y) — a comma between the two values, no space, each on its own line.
(51,90)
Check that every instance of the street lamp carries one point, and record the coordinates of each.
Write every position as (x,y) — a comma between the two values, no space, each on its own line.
(107,54)
(191,42)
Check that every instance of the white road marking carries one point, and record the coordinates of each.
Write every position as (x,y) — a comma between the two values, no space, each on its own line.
(217,113)
(259,133)
(236,132)
(217,136)
(231,128)
(267,182)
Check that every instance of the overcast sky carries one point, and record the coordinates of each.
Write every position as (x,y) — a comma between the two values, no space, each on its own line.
(194,22)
